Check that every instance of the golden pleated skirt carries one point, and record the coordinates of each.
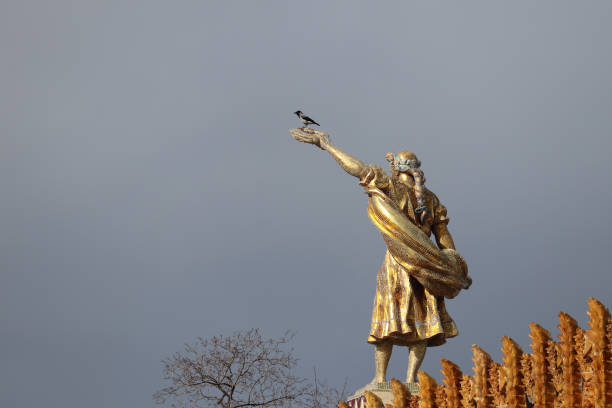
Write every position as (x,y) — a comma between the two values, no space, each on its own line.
(405,312)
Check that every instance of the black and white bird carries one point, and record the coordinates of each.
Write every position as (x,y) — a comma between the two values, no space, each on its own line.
(305,119)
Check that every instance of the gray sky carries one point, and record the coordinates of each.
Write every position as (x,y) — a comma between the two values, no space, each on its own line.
(151,192)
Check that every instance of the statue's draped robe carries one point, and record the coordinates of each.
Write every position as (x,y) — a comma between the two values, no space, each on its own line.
(404,310)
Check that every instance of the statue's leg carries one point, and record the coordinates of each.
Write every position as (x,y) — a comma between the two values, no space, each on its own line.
(382,355)
(416,356)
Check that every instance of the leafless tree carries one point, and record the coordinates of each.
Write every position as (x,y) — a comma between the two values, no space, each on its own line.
(241,370)
(321,395)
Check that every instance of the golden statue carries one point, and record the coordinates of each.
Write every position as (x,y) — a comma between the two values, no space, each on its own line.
(416,275)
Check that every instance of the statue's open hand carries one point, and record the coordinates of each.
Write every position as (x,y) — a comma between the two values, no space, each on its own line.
(312,136)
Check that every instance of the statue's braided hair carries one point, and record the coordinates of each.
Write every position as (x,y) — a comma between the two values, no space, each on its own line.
(407,162)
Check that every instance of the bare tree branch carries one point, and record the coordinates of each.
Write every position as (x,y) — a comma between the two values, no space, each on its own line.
(238,371)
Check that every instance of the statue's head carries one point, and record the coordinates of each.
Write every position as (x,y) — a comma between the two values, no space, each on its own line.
(405,165)
(406,168)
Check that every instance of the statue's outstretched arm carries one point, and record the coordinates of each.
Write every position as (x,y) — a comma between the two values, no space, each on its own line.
(350,164)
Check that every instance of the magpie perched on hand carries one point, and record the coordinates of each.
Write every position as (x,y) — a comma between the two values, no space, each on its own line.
(305,119)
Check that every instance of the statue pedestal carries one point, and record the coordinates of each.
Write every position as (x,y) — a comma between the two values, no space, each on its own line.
(382,390)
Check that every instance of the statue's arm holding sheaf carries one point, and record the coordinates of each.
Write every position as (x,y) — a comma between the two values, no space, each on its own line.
(440,229)
(366,173)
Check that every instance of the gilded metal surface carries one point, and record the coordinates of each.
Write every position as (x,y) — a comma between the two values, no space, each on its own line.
(574,372)
(405,312)
(416,274)
(441,272)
